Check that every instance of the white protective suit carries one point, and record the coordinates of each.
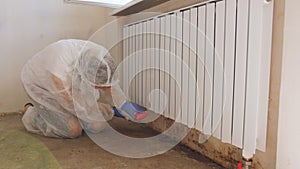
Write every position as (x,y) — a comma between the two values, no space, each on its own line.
(61,81)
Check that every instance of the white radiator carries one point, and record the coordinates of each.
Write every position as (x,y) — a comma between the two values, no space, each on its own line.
(226,45)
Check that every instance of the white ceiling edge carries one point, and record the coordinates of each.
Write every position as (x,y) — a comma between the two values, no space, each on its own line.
(86,2)
(130,4)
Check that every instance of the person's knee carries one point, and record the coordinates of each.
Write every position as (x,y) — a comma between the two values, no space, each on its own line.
(75,127)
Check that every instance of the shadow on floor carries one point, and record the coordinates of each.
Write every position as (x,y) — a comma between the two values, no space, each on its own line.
(82,153)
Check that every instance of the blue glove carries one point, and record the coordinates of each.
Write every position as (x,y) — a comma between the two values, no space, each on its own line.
(138,108)
(131,109)
(117,113)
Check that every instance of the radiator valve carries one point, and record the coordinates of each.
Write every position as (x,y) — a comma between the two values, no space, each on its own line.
(247,163)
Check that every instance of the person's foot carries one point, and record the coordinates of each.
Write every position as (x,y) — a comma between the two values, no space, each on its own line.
(75,127)
(26,106)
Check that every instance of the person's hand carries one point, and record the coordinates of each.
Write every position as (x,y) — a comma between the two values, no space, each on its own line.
(106,111)
(96,127)
(93,127)
(67,97)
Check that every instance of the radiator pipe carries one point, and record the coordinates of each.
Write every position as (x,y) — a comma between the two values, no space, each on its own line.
(247,163)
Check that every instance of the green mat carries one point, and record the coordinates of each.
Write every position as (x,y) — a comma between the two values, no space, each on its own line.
(19,150)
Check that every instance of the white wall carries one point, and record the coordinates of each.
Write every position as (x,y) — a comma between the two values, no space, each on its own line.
(288,152)
(27,26)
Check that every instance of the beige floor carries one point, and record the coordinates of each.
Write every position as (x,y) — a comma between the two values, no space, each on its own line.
(82,153)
